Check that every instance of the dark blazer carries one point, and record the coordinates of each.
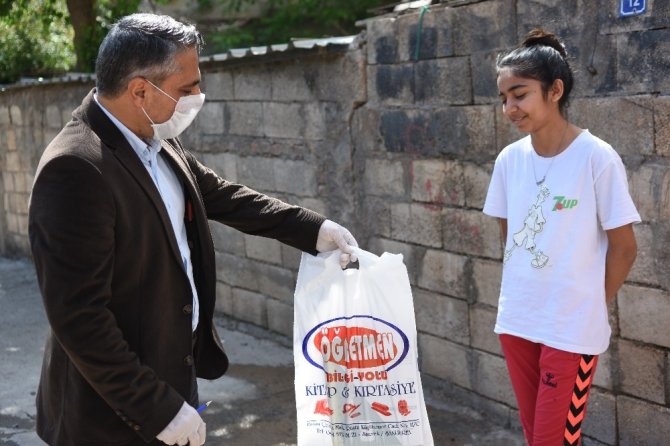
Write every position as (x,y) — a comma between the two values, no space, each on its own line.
(119,361)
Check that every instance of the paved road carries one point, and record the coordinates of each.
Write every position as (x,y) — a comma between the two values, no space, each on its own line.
(254,403)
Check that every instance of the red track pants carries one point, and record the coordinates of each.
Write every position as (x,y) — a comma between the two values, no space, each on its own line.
(551,388)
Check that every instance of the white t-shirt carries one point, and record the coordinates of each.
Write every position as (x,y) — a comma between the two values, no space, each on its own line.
(553,284)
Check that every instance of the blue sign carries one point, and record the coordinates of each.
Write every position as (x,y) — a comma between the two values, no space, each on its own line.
(633,7)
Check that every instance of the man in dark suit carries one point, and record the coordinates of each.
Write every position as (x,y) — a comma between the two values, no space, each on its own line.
(124,257)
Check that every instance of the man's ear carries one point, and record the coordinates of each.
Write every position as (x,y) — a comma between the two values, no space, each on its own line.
(137,89)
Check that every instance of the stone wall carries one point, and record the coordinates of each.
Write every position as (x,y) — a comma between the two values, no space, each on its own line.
(400,151)
(425,144)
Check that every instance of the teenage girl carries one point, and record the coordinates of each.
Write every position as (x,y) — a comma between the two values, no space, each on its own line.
(566,215)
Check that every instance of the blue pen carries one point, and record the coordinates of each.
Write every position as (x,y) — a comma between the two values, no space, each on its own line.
(203,406)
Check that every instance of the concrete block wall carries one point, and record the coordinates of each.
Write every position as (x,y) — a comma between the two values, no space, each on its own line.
(281,128)
(29,119)
(400,148)
(425,143)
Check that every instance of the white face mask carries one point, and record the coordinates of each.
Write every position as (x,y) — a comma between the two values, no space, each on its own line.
(184,113)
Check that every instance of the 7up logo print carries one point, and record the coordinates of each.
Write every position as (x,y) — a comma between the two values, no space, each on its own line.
(560,203)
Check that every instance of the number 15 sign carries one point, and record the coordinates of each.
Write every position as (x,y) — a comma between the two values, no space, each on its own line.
(633,7)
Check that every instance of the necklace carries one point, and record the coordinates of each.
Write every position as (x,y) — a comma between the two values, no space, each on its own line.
(541,180)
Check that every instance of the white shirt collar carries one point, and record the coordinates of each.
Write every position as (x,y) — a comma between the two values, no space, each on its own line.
(139,145)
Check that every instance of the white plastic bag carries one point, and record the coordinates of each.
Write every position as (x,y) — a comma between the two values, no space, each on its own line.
(357,379)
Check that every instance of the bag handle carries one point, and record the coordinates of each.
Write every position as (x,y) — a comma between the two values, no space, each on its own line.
(366,259)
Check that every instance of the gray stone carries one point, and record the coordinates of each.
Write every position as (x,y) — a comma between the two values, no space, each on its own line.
(224,298)
(22,183)
(484,76)
(12,161)
(641,423)
(370,133)
(382,45)
(380,210)
(315,204)
(650,190)
(643,61)
(252,84)
(250,307)
(656,16)
(210,119)
(223,164)
(276,282)
(16,115)
(594,56)
(391,84)
(643,314)
(600,420)
(53,117)
(471,232)
(280,317)
(348,86)
(443,81)
(12,222)
(487,277)
(604,371)
(22,221)
(445,360)
(476,184)
(8,181)
(290,257)
(456,131)
(246,118)
(218,85)
(385,178)
(646,268)
(436,38)
(236,271)
(492,378)
(642,371)
(282,120)
(441,316)
(420,37)
(256,172)
(226,239)
(416,223)
(438,182)
(589,441)
(66,115)
(4,116)
(443,272)
(21,200)
(662,125)
(291,81)
(263,249)
(482,322)
(484,26)
(28,178)
(49,135)
(316,121)
(295,177)
(633,128)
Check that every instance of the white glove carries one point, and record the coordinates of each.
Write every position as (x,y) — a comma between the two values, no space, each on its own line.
(186,428)
(333,236)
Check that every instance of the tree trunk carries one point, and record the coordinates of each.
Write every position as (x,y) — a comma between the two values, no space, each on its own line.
(82,16)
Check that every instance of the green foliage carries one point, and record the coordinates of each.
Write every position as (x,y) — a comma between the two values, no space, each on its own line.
(106,13)
(35,39)
(286,19)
